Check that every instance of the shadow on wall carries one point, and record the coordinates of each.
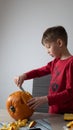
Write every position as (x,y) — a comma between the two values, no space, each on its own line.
(40,88)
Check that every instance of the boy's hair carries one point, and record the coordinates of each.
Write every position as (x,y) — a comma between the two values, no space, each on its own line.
(54,33)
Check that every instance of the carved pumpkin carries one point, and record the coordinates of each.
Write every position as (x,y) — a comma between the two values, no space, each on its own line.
(16,105)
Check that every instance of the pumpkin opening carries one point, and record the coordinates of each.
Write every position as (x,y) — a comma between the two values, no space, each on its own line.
(12,108)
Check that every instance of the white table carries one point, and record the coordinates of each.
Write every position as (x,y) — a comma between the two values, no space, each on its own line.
(57,121)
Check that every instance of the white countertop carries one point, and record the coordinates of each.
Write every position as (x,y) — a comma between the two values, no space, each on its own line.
(56,120)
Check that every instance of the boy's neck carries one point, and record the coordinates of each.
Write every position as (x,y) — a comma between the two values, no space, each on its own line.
(66,54)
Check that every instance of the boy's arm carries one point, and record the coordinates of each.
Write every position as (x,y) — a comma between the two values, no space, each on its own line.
(61,97)
(35,102)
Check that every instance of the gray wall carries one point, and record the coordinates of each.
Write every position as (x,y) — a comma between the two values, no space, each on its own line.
(22,23)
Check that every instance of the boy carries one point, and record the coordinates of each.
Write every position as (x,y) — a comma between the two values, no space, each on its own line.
(60,95)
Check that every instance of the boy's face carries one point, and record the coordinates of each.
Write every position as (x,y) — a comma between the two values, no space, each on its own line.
(53,49)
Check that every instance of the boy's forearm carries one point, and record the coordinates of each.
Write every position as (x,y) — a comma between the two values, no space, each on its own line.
(44,99)
(24,75)
(39,72)
(30,75)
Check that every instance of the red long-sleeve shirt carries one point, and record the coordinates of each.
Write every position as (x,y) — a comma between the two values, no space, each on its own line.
(60,95)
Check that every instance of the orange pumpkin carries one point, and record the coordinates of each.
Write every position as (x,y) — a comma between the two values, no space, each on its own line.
(16,105)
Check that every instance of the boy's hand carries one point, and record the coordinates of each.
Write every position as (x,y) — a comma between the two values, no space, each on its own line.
(19,80)
(37,101)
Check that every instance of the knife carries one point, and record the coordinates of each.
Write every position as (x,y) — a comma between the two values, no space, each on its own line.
(22,88)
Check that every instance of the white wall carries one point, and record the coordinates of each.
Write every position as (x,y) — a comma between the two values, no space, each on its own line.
(22,23)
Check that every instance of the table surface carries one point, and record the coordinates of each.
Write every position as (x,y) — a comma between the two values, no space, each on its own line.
(56,120)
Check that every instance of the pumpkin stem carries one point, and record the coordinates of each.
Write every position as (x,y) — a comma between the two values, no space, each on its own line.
(12,108)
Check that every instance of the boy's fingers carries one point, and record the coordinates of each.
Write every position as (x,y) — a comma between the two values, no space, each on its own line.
(17,80)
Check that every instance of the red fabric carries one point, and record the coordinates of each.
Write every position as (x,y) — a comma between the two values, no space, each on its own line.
(60,95)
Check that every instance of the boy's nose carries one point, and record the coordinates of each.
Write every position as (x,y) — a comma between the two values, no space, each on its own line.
(48,52)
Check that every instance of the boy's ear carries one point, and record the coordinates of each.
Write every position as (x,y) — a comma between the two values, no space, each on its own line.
(60,42)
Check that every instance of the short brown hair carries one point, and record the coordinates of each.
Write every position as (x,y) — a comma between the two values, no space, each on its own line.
(54,33)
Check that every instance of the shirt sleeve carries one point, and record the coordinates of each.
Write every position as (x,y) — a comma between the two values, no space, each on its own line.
(39,72)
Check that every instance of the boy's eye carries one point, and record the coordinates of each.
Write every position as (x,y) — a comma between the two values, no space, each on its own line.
(48,47)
